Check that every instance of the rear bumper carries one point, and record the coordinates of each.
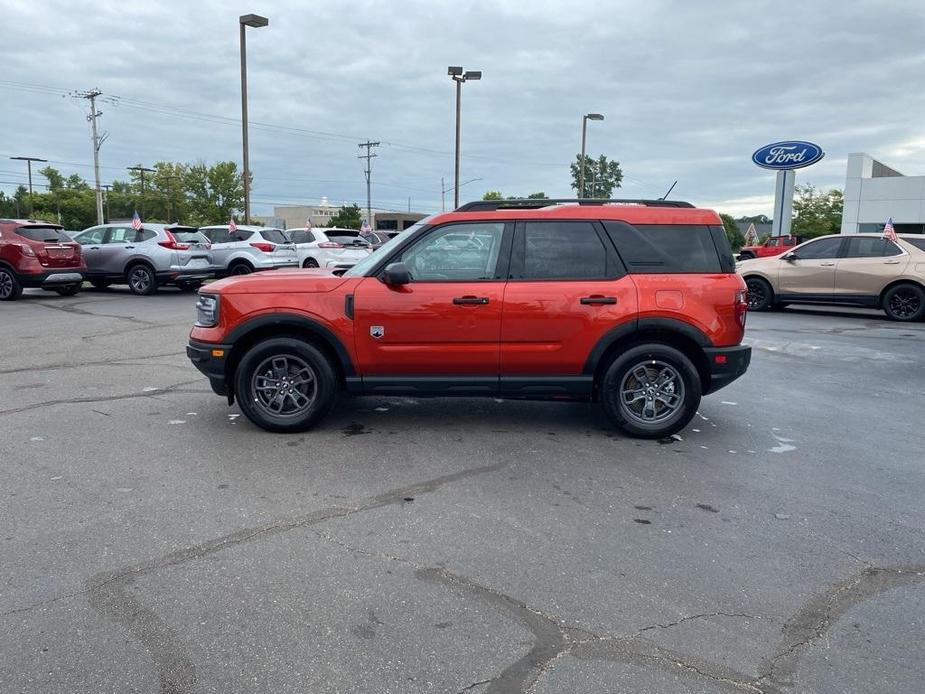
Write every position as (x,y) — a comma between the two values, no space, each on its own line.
(179,272)
(726,364)
(52,278)
(211,359)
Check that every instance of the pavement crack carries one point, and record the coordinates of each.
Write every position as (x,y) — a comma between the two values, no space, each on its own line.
(175,388)
(41,603)
(82,364)
(73,308)
(705,615)
(475,684)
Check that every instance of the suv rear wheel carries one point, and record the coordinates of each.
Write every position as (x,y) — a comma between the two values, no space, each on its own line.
(651,391)
(310,262)
(904,302)
(240,268)
(141,280)
(10,288)
(285,385)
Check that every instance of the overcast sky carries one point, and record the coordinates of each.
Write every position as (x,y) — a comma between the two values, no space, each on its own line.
(688,89)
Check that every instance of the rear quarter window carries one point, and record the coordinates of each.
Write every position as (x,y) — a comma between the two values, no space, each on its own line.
(44,234)
(671,248)
(918,243)
(274,236)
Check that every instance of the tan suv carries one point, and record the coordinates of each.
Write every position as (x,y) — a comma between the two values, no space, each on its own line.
(850,270)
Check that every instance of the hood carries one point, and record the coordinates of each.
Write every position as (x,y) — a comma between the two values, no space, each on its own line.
(292,281)
(765,263)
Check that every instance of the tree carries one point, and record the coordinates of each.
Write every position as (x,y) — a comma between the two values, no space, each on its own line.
(537,196)
(54,177)
(817,213)
(347,217)
(601,176)
(214,192)
(755,219)
(733,235)
(493,195)
(75,182)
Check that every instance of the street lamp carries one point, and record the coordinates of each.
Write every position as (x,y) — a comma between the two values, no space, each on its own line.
(584,136)
(458,76)
(29,161)
(255,21)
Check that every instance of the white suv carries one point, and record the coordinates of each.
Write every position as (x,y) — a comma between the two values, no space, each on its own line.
(249,248)
(333,249)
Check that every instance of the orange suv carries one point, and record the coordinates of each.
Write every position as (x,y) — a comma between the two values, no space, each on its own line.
(632,304)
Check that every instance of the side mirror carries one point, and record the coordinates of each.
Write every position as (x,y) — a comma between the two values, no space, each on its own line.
(396,274)
(790,257)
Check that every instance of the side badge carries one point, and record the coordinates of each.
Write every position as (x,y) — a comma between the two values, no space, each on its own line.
(376,331)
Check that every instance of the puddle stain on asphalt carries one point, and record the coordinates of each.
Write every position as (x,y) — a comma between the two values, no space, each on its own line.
(707,507)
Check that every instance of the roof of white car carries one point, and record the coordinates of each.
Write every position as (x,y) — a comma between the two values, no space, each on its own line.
(243,227)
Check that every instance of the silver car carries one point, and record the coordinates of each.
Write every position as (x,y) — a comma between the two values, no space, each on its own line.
(250,248)
(333,249)
(145,258)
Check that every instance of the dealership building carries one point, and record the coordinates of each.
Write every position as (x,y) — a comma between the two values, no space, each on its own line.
(875,193)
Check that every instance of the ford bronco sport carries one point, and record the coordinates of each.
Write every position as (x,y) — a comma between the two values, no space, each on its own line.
(632,304)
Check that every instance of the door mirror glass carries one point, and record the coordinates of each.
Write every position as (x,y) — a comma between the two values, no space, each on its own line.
(396,274)
(790,257)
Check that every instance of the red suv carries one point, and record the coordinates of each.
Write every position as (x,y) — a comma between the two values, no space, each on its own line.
(38,254)
(633,304)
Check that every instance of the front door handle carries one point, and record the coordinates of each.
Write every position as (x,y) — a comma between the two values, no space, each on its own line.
(598,300)
(891,262)
(129,247)
(826,264)
(463,300)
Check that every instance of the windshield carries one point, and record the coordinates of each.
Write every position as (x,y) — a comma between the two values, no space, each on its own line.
(370,261)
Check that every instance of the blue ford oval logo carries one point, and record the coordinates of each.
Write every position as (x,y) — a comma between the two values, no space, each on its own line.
(792,154)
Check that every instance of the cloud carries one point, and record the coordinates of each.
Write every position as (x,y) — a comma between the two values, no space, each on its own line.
(688,90)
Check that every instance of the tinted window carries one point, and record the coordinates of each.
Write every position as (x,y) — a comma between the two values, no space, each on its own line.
(92,236)
(456,252)
(918,243)
(347,238)
(216,235)
(46,234)
(302,236)
(866,247)
(188,236)
(772,243)
(387,224)
(665,248)
(819,250)
(563,250)
(790,242)
(274,236)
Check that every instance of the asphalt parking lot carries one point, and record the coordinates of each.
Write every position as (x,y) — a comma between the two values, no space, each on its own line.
(154,541)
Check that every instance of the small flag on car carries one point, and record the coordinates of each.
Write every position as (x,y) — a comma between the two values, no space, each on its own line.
(365,228)
(888,231)
(136,221)
(232,227)
(308,223)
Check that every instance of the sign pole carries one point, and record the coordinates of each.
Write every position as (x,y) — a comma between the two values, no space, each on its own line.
(783,202)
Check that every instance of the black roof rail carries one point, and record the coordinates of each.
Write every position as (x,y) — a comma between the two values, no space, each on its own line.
(538,203)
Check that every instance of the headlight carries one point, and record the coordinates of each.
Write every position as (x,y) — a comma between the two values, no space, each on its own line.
(207,311)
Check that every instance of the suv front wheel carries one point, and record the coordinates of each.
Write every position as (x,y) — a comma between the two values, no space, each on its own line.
(651,391)
(285,385)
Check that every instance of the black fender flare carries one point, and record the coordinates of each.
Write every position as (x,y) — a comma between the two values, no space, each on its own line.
(642,325)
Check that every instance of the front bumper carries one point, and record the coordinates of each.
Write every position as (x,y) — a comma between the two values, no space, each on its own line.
(726,364)
(51,278)
(211,360)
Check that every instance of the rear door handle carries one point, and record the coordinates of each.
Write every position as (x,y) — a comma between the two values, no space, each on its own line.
(462,300)
(598,300)
(826,264)
(891,262)
(129,247)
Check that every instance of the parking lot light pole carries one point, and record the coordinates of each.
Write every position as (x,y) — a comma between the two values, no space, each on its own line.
(584,137)
(29,161)
(244,21)
(458,76)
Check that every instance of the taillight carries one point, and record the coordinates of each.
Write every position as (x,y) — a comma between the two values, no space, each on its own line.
(265,247)
(741,306)
(172,243)
(26,250)
(329,244)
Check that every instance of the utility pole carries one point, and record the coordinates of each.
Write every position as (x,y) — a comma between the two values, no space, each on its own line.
(368,171)
(97,143)
(442,195)
(141,171)
(29,161)
(108,213)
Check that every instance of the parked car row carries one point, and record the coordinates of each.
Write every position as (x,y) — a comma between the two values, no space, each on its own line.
(42,255)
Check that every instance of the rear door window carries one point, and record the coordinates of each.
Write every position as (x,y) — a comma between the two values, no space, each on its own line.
(667,248)
(44,234)
(302,236)
(124,235)
(92,237)
(561,251)
(820,250)
(274,236)
(868,247)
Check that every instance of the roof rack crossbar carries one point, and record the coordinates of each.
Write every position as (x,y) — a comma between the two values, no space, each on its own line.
(535,203)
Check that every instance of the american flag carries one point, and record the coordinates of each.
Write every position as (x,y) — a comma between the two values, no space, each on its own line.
(888,231)
(232,227)
(365,229)
(136,221)
(308,223)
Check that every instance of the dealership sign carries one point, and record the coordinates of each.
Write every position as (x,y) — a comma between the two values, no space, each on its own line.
(792,154)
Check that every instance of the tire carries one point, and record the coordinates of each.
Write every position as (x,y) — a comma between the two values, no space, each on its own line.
(904,302)
(746,256)
(100,284)
(141,279)
(760,294)
(263,368)
(310,262)
(634,401)
(68,289)
(189,286)
(10,288)
(240,268)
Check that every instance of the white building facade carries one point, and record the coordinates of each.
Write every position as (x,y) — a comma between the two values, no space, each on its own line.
(875,193)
